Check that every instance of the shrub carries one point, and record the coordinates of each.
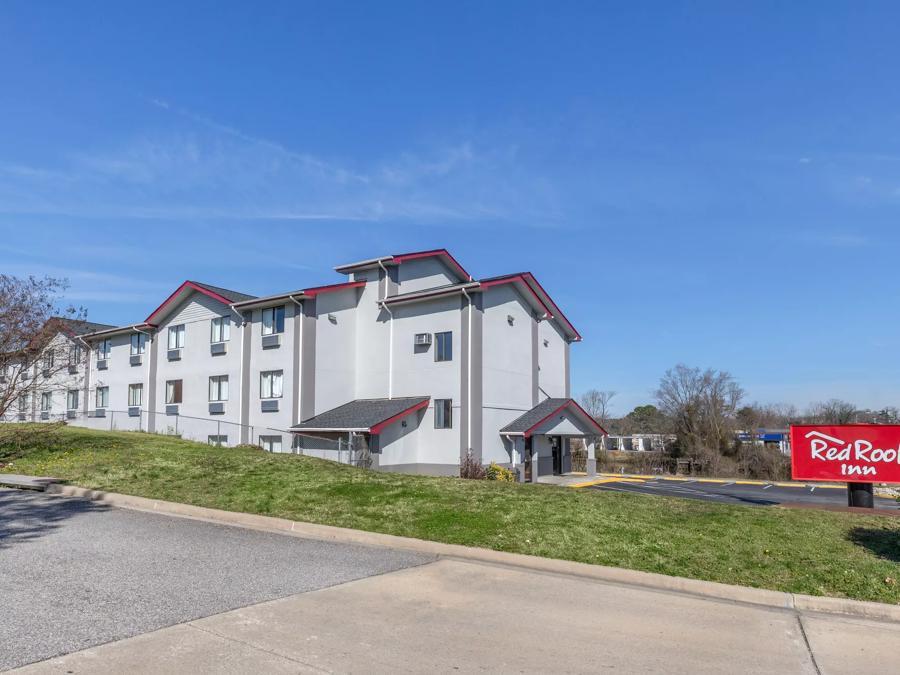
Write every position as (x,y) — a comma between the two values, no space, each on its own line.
(471,468)
(497,472)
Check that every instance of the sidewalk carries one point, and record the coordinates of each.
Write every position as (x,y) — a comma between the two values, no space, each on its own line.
(464,616)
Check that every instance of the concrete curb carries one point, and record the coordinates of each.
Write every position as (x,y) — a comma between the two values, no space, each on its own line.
(649,580)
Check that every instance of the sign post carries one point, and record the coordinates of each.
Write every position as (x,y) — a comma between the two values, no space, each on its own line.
(856,454)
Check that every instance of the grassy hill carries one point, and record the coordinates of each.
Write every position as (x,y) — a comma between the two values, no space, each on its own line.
(802,551)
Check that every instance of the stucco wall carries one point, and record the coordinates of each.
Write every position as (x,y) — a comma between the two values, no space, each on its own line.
(420,273)
(552,360)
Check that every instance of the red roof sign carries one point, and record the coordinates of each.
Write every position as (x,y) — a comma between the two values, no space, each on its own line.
(852,453)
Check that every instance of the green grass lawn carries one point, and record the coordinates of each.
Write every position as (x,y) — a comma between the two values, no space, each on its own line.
(802,551)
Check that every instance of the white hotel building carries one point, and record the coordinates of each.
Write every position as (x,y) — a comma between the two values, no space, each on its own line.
(409,364)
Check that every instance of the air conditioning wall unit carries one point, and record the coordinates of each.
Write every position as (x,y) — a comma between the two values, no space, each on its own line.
(423,339)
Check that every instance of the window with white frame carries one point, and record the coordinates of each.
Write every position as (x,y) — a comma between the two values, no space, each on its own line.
(135,395)
(101,398)
(270,383)
(74,354)
(217,440)
(49,359)
(443,413)
(46,401)
(173,392)
(218,388)
(176,336)
(220,329)
(270,443)
(443,346)
(273,320)
(72,399)
(103,349)
(138,343)
(23,403)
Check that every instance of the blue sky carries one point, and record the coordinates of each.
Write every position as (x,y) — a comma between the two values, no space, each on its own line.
(710,183)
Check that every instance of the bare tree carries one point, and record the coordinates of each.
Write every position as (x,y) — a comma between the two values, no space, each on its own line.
(832,411)
(597,404)
(29,321)
(702,406)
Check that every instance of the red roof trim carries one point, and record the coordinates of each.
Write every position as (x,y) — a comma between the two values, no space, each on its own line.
(313,292)
(518,278)
(192,286)
(437,252)
(559,312)
(378,428)
(528,432)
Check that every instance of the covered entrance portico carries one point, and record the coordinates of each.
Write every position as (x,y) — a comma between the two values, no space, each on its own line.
(540,441)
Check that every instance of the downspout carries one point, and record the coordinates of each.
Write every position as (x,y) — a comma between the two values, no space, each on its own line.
(146,404)
(469,374)
(299,355)
(390,335)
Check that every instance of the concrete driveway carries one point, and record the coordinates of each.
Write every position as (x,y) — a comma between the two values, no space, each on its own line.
(74,574)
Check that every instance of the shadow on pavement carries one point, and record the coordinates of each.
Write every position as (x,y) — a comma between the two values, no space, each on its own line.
(882,542)
(28,515)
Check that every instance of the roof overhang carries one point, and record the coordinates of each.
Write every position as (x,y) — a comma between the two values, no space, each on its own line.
(133,328)
(441,253)
(297,296)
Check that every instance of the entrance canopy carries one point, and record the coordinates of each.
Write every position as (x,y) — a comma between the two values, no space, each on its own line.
(554,416)
(365,415)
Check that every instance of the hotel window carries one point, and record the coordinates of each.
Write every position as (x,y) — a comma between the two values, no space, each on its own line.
(103,349)
(74,354)
(102,397)
(217,440)
(270,443)
(443,346)
(135,395)
(273,320)
(138,343)
(46,401)
(72,400)
(218,388)
(173,391)
(220,329)
(443,413)
(176,337)
(270,384)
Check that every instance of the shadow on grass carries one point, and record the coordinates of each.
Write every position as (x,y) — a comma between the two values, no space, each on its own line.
(883,543)
(25,515)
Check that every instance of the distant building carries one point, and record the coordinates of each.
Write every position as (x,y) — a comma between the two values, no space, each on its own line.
(779,439)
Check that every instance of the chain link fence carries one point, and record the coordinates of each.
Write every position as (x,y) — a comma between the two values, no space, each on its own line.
(345,448)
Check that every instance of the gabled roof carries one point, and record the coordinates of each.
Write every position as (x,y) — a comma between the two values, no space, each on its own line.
(223,295)
(525,424)
(369,415)
(76,326)
(524,281)
(399,258)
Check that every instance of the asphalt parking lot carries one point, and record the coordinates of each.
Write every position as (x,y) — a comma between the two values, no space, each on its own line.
(736,492)
(74,574)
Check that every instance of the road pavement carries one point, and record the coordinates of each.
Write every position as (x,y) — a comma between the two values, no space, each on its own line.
(75,573)
(753,493)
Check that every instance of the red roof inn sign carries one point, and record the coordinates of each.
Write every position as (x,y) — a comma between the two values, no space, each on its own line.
(857,453)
